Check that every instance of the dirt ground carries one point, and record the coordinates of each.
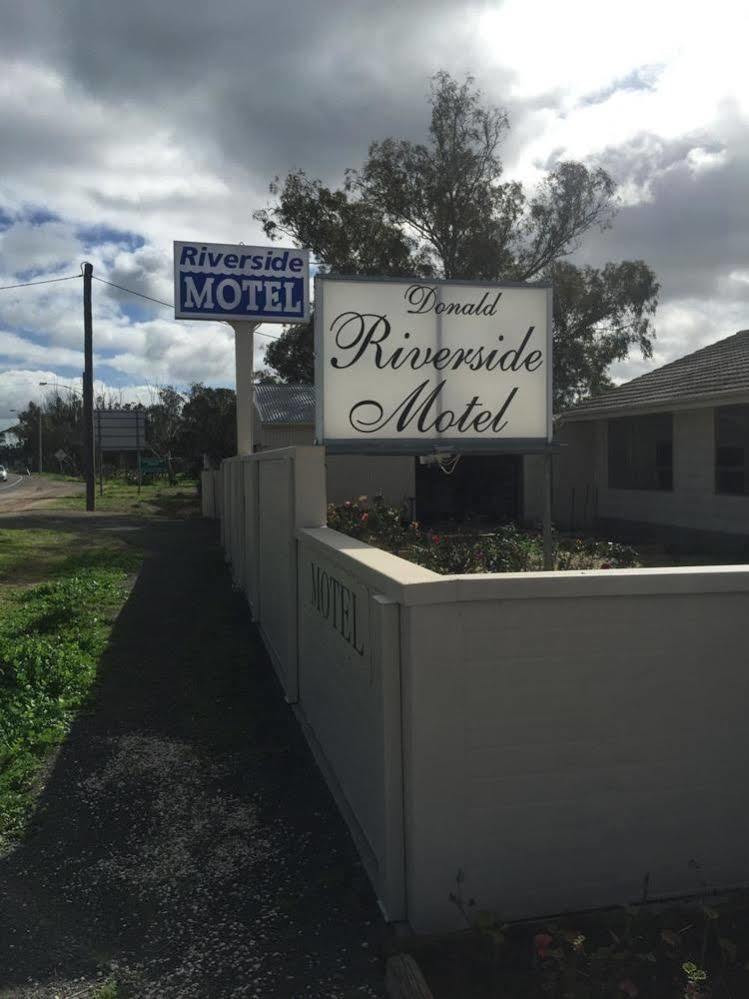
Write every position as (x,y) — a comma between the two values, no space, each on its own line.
(22,493)
(185,845)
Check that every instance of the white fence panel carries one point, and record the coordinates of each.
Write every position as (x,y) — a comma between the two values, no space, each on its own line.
(267,497)
(556,736)
(349,692)
(570,736)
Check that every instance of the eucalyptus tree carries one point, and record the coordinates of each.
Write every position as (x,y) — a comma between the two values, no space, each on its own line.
(443,208)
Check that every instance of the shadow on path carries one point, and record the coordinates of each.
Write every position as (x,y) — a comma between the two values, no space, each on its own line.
(185,842)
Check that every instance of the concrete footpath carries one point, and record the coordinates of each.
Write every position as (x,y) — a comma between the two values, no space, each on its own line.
(185,844)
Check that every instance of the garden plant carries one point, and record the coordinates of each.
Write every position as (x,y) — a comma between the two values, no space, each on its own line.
(469,549)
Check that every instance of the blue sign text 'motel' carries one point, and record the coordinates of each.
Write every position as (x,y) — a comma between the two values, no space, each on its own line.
(268,284)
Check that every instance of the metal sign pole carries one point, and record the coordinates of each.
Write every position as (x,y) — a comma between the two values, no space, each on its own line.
(548,547)
(244,354)
(101,456)
(137,434)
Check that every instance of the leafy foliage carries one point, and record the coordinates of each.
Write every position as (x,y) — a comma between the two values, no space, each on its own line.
(598,316)
(443,209)
(208,425)
(506,549)
(291,356)
(691,951)
(180,428)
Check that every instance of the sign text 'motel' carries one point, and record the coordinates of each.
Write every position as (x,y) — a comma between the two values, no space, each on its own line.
(336,603)
(241,283)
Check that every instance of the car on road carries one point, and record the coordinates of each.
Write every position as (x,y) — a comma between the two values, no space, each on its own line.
(3,474)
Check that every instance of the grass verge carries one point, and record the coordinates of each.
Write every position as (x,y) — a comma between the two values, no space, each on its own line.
(52,635)
(156,498)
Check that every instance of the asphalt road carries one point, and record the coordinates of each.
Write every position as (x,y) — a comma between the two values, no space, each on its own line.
(23,492)
(13,480)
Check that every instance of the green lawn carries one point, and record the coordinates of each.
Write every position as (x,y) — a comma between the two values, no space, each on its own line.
(52,635)
(155,499)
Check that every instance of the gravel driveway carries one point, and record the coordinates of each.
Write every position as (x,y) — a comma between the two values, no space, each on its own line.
(185,844)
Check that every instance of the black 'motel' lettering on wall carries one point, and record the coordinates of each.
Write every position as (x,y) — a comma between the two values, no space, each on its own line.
(337,604)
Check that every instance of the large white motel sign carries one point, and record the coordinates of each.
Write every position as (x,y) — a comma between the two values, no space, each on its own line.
(410,364)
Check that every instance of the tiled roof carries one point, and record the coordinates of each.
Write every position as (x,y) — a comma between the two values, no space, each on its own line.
(282,404)
(717,370)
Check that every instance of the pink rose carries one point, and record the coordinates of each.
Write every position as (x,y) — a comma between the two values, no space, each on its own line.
(629,988)
(542,942)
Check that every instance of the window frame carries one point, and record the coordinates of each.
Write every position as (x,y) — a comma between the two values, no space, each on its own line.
(730,468)
(630,472)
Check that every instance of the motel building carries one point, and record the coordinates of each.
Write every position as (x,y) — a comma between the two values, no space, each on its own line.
(488,488)
(665,455)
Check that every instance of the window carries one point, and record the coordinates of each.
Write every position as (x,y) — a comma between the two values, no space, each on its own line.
(641,452)
(732,450)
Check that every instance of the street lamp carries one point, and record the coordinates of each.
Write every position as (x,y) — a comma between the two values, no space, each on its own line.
(57,385)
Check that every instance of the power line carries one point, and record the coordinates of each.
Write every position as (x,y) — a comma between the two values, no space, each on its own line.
(28,284)
(167,305)
(73,277)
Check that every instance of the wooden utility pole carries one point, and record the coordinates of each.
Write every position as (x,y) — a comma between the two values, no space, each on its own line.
(89,464)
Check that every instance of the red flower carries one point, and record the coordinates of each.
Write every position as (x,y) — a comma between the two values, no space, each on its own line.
(364,518)
(542,942)
(436,539)
(629,988)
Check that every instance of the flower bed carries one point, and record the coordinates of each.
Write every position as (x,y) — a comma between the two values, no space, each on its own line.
(635,952)
(505,549)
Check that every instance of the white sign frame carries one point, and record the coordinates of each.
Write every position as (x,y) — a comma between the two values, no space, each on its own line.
(202,265)
(423,445)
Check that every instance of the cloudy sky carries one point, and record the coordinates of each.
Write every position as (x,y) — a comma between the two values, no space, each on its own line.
(124,126)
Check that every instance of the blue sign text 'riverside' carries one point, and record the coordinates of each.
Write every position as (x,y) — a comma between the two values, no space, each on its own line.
(240,283)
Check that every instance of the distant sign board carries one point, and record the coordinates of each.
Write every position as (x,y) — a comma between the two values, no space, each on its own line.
(267,284)
(415,365)
(120,430)
(153,464)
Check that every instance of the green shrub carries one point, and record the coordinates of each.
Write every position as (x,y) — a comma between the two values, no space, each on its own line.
(505,549)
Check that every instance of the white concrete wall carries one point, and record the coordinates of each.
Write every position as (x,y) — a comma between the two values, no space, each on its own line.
(290,435)
(349,476)
(355,475)
(532,512)
(577,477)
(556,736)
(272,494)
(693,502)
(566,735)
(208,490)
(349,697)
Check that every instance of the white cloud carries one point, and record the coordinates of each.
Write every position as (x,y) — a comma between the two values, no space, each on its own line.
(124,137)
